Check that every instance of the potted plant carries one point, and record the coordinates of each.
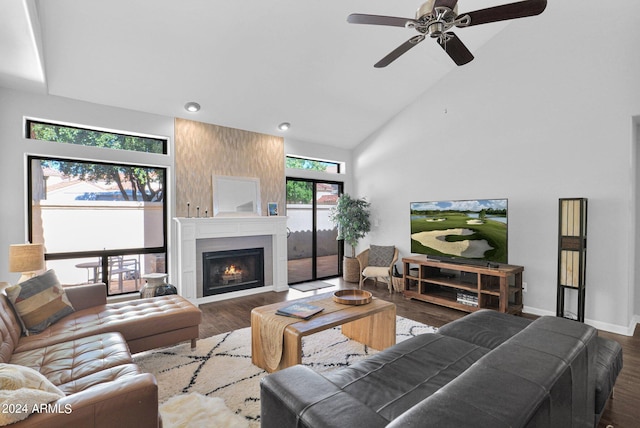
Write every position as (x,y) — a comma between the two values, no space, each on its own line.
(351,217)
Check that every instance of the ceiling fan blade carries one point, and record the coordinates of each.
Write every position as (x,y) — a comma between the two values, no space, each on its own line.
(519,9)
(456,49)
(361,18)
(399,51)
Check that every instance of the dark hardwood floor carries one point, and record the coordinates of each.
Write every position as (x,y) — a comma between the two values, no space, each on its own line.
(623,411)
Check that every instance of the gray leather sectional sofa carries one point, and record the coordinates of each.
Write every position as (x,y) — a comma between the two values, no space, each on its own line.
(486,369)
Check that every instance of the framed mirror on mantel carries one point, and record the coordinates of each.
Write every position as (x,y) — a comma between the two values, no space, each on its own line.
(236,196)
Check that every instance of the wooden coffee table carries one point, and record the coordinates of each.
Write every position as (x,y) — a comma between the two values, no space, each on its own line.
(373,324)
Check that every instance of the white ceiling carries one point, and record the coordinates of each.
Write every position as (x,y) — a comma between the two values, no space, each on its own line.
(251,64)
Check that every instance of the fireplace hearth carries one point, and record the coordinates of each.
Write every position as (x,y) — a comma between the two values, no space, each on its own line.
(232,270)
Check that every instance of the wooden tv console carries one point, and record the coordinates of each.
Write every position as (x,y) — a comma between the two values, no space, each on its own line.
(464,287)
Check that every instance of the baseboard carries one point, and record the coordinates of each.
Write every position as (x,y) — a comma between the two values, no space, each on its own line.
(536,311)
(611,328)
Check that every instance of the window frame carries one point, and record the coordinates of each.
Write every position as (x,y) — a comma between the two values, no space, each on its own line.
(79,254)
(337,164)
(314,232)
(29,122)
(53,150)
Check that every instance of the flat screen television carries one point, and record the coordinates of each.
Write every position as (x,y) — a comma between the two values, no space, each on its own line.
(473,231)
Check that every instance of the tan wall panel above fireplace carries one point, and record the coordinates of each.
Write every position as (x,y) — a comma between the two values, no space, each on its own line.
(204,150)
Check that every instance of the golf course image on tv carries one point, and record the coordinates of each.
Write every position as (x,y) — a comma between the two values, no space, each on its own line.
(465,229)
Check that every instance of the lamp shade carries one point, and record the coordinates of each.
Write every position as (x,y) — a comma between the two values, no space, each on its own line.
(26,257)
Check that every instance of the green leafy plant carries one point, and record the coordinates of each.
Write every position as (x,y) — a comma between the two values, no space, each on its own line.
(351,216)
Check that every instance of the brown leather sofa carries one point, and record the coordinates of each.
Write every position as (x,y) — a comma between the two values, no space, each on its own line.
(87,355)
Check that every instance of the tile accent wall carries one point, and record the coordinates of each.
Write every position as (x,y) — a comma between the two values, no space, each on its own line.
(204,150)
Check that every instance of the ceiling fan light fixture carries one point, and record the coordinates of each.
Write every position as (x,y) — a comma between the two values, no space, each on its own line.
(284,126)
(192,107)
(436,29)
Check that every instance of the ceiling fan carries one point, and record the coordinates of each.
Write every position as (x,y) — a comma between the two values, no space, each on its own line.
(436,17)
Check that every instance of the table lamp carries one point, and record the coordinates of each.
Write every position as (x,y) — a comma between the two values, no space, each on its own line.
(27,259)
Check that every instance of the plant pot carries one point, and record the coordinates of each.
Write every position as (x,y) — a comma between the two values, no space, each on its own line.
(350,269)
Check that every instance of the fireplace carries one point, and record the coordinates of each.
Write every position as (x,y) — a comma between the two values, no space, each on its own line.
(232,270)
(195,236)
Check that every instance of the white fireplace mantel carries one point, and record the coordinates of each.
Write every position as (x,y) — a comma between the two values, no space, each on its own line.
(189,230)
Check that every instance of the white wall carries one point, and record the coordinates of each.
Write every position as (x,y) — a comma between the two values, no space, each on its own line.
(545,111)
(15,106)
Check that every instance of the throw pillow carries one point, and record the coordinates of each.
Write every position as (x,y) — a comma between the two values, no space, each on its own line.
(14,376)
(23,390)
(380,255)
(40,301)
(23,329)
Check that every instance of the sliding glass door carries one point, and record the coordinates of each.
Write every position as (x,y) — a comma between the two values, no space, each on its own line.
(313,250)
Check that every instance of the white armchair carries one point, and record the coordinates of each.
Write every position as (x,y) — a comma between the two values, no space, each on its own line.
(377,262)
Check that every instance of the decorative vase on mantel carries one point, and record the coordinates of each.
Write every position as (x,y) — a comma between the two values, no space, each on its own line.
(156,285)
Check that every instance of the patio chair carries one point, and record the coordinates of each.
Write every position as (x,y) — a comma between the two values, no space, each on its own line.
(125,269)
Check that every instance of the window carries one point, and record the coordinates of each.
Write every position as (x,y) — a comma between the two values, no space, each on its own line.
(311,164)
(99,221)
(89,137)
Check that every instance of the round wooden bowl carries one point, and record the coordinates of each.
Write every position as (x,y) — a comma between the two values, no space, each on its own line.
(352,297)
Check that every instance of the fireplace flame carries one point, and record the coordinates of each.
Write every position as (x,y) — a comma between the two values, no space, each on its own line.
(231,270)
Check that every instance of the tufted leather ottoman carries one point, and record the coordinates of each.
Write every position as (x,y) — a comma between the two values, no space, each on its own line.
(145,324)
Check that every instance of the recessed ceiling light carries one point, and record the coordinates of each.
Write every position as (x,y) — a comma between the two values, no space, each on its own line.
(192,107)
(284,126)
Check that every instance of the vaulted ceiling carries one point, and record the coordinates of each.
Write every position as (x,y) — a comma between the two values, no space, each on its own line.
(250,64)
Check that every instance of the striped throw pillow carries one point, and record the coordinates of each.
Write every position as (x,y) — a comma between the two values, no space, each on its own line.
(40,301)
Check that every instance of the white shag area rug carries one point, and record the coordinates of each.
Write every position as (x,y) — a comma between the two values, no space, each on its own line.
(221,367)
(197,410)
